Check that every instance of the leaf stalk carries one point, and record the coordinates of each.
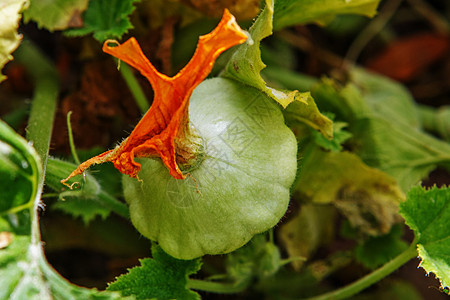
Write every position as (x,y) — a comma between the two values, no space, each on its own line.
(370,278)
(134,87)
(217,287)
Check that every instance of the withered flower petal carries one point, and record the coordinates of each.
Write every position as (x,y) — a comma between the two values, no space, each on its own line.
(166,124)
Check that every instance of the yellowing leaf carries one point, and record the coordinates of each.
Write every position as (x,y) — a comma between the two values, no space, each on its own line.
(368,197)
(304,110)
(9,38)
(246,65)
(307,231)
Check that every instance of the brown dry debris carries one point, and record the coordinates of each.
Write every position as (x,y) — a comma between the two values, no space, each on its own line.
(103,109)
(164,52)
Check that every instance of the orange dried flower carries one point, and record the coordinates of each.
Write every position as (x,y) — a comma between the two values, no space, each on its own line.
(165,126)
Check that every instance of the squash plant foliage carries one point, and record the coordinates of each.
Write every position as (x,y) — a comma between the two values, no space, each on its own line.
(237,179)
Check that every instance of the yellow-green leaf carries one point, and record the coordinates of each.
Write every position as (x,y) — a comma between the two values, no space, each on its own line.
(246,65)
(304,110)
(368,197)
(10,14)
(305,232)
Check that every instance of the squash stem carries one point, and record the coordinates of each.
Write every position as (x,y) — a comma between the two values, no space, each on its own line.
(134,87)
(71,142)
(370,278)
(217,287)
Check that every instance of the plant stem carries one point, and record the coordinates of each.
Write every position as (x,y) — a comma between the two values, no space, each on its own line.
(371,278)
(134,87)
(43,106)
(306,45)
(438,21)
(16,209)
(71,142)
(39,132)
(370,31)
(217,287)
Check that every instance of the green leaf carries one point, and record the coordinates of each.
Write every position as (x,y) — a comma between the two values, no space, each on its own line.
(368,197)
(377,251)
(386,98)
(81,202)
(56,14)
(396,142)
(271,53)
(106,19)
(406,154)
(87,209)
(304,110)
(427,212)
(436,120)
(384,125)
(311,228)
(24,272)
(295,12)
(20,169)
(258,259)
(340,135)
(107,174)
(9,22)
(245,66)
(88,201)
(160,277)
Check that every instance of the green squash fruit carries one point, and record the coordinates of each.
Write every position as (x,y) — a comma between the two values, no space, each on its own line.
(239,188)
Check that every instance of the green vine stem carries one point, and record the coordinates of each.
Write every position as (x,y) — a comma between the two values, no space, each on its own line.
(43,105)
(134,87)
(343,293)
(39,131)
(217,287)
(370,278)
(370,31)
(71,142)
(107,200)
(40,125)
